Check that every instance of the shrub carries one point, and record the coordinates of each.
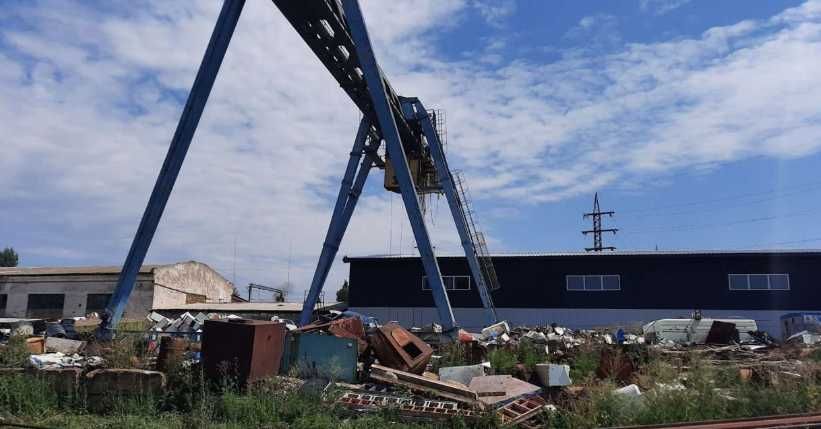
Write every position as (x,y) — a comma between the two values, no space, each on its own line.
(502,360)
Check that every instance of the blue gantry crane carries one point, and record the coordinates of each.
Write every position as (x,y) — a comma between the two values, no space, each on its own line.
(414,160)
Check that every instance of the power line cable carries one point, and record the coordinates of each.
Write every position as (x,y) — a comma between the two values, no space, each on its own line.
(781,243)
(692,227)
(778,194)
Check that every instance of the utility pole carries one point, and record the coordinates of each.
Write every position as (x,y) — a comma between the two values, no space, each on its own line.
(597,230)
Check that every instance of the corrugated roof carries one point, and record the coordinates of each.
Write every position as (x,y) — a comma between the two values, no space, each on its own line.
(616,253)
(59,271)
(243,307)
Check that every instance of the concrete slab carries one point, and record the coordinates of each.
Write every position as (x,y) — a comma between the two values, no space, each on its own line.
(494,389)
(553,375)
(461,374)
(64,346)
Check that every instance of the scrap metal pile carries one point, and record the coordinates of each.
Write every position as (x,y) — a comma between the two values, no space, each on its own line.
(518,374)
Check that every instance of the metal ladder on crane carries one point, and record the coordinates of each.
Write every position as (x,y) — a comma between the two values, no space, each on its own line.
(478,237)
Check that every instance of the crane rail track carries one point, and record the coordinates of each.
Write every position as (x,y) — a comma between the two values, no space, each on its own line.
(786,421)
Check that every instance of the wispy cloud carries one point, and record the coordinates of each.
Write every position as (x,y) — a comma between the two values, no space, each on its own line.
(89,100)
(661,7)
(495,11)
(596,33)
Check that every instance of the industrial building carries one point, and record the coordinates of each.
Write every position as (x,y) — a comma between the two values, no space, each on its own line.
(56,292)
(598,289)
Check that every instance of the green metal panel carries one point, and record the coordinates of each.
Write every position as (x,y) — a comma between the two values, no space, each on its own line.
(318,355)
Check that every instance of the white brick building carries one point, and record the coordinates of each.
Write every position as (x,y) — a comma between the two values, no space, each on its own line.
(55,292)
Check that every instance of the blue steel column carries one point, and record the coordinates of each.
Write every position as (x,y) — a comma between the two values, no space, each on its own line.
(387,125)
(456,208)
(339,232)
(331,244)
(207,74)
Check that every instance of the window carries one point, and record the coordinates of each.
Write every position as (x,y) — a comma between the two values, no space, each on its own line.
(597,282)
(759,281)
(96,302)
(451,282)
(592,282)
(45,305)
(611,282)
(575,282)
(193,298)
(3,301)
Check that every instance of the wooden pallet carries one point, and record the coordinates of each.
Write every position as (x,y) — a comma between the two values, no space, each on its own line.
(520,411)
(418,407)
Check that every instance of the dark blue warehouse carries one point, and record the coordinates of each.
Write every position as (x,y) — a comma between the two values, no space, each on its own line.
(585,290)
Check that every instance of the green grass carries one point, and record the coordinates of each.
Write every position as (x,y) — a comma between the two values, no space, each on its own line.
(190,401)
(25,399)
(584,363)
(502,360)
(452,354)
(711,393)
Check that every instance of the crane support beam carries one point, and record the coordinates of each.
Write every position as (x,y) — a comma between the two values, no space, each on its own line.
(207,74)
(349,193)
(384,112)
(418,112)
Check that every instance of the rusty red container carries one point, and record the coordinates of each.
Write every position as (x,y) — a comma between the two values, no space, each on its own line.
(242,350)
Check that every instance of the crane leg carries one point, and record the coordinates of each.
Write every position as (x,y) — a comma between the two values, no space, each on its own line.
(207,74)
(387,126)
(343,210)
(456,208)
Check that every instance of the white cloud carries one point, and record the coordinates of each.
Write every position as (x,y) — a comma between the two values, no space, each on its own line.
(89,101)
(661,7)
(595,33)
(495,11)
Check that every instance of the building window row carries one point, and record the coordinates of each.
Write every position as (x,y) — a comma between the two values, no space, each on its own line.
(759,281)
(596,282)
(51,305)
(450,282)
(612,282)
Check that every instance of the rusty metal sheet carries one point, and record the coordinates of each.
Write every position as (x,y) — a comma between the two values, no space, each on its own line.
(397,348)
(348,327)
(248,350)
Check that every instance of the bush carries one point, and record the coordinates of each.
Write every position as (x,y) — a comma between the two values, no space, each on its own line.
(502,360)
(14,354)
(584,364)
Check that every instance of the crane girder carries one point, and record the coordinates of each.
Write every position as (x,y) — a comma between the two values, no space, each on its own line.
(322,25)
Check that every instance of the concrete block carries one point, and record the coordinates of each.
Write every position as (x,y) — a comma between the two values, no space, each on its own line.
(119,382)
(493,389)
(64,346)
(630,391)
(553,375)
(62,380)
(461,374)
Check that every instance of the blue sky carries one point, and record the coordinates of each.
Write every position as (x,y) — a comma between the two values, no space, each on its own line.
(697,122)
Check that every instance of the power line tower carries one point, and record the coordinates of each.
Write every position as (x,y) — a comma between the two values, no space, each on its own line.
(597,230)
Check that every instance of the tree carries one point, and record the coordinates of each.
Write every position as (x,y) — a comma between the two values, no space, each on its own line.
(342,293)
(9,258)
